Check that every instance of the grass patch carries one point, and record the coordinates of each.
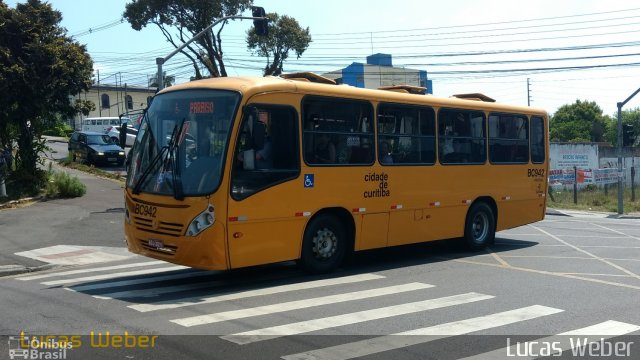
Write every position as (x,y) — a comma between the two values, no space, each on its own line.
(61,184)
(90,169)
(592,198)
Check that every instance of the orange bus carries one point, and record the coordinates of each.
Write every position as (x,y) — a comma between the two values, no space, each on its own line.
(234,172)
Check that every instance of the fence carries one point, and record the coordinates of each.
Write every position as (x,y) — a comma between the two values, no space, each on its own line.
(590,187)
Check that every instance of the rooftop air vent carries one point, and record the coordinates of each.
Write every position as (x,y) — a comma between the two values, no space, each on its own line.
(405,89)
(474,96)
(308,76)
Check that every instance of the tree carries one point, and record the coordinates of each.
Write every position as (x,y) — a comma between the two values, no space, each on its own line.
(168,80)
(285,35)
(40,69)
(581,121)
(188,17)
(631,117)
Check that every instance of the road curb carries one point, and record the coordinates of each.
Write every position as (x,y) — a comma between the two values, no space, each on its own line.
(8,270)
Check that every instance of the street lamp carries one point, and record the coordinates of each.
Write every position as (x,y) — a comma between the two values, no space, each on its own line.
(620,183)
(259,22)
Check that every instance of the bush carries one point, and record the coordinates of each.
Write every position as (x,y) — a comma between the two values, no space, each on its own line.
(64,185)
(60,129)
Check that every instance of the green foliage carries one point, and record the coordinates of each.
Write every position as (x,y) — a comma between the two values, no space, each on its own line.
(582,121)
(40,68)
(84,107)
(285,35)
(181,20)
(61,129)
(628,117)
(168,80)
(64,185)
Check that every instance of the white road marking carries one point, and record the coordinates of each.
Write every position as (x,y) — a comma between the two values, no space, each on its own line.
(352,318)
(298,304)
(88,270)
(114,275)
(172,304)
(403,339)
(153,279)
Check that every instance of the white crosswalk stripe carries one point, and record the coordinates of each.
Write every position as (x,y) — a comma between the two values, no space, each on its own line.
(146,280)
(153,292)
(298,304)
(89,270)
(564,341)
(352,318)
(114,275)
(172,304)
(408,338)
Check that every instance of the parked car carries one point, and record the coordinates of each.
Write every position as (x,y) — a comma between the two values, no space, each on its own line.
(95,148)
(114,134)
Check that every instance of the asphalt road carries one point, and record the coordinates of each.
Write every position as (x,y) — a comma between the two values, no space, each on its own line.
(559,275)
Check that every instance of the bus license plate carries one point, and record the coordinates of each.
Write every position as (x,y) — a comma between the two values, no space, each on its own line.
(156,244)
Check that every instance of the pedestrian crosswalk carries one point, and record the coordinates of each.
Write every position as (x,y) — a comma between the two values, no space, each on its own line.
(259,312)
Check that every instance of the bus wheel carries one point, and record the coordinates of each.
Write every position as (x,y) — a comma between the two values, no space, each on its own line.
(480,227)
(324,244)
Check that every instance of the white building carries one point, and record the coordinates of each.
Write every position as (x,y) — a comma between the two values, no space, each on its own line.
(111,100)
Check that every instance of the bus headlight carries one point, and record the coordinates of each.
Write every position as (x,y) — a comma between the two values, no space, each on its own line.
(204,220)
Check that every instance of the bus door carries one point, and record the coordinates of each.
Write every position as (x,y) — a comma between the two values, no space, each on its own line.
(262,222)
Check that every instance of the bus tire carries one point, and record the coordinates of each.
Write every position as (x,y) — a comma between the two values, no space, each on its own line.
(324,244)
(480,227)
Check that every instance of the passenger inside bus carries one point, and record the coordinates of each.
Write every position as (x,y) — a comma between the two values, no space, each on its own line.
(384,153)
(324,150)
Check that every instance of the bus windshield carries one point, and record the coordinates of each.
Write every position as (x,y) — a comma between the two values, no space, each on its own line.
(181,143)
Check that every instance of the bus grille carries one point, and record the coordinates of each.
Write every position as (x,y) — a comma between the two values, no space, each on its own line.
(164,228)
(166,250)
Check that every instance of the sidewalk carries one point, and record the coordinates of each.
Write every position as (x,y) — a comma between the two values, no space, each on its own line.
(593,214)
(94,219)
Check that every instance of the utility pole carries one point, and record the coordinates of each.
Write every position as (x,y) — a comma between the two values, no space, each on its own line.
(528,94)
(256,10)
(620,174)
(99,99)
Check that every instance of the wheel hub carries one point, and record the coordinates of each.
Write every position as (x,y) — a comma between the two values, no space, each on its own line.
(324,244)
(480,227)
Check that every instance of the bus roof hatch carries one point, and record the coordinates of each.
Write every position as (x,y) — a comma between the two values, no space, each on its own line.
(405,89)
(308,76)
(474,96)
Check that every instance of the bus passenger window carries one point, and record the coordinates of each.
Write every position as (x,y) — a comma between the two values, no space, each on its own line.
(337,131)
(461,137)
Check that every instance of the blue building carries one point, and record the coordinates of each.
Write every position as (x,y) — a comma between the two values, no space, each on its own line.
(379,71)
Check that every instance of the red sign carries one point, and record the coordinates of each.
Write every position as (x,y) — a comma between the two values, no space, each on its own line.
(201,107)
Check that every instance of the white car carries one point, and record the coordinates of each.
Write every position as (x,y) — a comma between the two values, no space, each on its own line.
(114,134)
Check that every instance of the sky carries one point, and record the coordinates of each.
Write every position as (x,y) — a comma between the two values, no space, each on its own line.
(567,50)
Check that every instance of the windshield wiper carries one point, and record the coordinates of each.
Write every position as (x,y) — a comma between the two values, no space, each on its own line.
(154,161)
(174,146)
(171,151)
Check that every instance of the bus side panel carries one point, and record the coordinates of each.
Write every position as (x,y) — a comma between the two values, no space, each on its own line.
(374,231)
(263,242)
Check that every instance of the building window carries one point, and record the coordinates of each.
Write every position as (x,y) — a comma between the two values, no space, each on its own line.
(508,139)
(406,134)
(129,100)
(104,99)
(461,137)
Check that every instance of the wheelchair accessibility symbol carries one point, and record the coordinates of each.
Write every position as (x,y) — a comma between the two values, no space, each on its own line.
(308,180)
